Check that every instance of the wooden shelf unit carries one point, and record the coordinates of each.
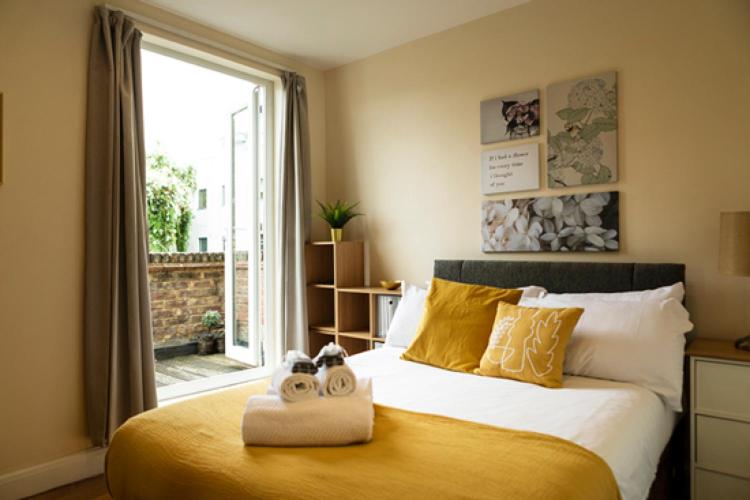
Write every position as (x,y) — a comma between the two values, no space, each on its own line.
(340,308)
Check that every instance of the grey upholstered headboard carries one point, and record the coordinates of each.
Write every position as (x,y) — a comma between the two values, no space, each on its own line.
(561,277)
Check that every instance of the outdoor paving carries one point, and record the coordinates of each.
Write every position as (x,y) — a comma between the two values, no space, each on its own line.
(185,368)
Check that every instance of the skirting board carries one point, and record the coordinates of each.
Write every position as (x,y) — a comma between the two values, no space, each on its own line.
(43,477)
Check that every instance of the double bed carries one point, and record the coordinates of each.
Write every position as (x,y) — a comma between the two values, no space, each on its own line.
(626,425)
(193,449)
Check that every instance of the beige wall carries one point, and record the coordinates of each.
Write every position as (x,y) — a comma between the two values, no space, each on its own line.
(403,133)
(43,59)
(402,136)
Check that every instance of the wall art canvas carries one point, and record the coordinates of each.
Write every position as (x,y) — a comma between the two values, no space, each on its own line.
(587,222)
(511,117)
(582,131)
(510,169)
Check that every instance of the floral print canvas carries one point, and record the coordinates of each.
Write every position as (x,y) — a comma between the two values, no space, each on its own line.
(582,131)
(571,223)
(511,117)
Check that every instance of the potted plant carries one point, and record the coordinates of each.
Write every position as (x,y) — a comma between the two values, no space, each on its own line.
(337,215)
(219,341)
(211,319)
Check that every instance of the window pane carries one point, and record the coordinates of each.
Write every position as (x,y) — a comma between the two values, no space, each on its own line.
(202,199)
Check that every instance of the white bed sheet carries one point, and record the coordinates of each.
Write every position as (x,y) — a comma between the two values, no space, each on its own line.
(627,425)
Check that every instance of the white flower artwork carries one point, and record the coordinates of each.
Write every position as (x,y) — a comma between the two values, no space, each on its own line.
(582,131)
(572,223)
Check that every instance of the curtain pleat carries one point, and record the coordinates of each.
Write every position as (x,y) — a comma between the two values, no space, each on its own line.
(294,213)
(119,357)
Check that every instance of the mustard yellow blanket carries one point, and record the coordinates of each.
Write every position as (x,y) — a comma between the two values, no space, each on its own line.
(193,450)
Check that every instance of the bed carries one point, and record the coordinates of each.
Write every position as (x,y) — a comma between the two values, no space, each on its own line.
(193,449)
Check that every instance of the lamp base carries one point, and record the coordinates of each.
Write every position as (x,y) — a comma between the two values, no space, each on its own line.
(743,343)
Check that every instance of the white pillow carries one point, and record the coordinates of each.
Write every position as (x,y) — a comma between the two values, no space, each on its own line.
(532,291)
(676,291)
(408,314)
(636,341)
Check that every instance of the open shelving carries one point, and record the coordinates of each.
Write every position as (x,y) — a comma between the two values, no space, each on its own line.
(340,307)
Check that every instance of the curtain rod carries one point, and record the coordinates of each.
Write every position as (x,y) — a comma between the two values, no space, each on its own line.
(197,38)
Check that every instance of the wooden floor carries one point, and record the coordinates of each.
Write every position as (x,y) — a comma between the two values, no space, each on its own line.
(184,368)
(88,489)
(168,371)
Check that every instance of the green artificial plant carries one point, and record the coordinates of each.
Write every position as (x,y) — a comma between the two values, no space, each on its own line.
(337,214)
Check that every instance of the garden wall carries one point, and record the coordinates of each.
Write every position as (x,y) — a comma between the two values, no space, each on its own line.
(186,285)
(183,287)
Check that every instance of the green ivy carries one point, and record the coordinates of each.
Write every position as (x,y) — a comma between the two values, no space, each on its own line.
(183,230)
(169,189)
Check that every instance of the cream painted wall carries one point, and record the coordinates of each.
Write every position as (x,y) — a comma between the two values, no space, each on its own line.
(399,131)
(43,61)
(403,134)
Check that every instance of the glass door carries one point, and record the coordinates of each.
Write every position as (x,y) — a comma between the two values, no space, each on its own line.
(244,249)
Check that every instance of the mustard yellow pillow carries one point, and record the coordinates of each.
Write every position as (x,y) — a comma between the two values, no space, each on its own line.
(528,343)
(456,324)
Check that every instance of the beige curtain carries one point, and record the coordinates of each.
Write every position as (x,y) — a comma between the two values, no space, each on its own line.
(294,211)
(119,355)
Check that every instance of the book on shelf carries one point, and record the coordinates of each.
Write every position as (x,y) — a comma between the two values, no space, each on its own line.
(387,305)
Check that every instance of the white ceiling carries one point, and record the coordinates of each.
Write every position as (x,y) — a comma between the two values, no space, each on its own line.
(329,33)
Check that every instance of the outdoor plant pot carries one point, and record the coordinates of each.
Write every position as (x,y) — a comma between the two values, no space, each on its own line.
(205,345)
(220,344)
(211,320)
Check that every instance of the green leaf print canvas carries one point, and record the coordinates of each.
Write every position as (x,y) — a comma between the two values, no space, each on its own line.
(582,131)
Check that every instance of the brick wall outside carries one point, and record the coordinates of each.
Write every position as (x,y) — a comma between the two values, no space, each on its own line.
(241,305)
(184,286)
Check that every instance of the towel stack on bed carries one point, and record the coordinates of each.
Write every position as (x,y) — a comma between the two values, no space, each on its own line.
(311,403)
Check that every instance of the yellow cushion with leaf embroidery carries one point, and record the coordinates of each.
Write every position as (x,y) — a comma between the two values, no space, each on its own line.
(528,343)
(456,324)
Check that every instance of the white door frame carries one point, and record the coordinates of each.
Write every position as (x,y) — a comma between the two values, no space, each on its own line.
(269,138)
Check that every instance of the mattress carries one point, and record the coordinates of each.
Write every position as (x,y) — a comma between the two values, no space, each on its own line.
(626,425)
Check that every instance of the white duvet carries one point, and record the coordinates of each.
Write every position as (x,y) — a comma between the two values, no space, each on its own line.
(627,425)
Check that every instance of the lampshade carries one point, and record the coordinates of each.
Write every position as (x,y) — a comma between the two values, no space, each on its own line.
(734,248)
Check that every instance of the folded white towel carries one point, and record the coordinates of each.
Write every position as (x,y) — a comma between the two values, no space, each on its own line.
(336,380)
(291,386)
(270,421)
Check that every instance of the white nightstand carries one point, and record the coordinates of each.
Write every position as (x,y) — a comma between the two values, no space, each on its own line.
(719,420)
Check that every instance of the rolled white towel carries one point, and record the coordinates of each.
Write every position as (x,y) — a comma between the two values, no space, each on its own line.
(270,421)
(295,387)
(337,380)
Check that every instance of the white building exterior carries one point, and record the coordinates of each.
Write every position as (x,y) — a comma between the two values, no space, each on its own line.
(208,230)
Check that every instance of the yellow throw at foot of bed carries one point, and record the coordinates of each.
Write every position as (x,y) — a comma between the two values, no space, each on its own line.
(193,450)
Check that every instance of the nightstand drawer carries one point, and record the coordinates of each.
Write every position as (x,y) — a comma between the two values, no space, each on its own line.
(722,387)
(723,445)
(712,485)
